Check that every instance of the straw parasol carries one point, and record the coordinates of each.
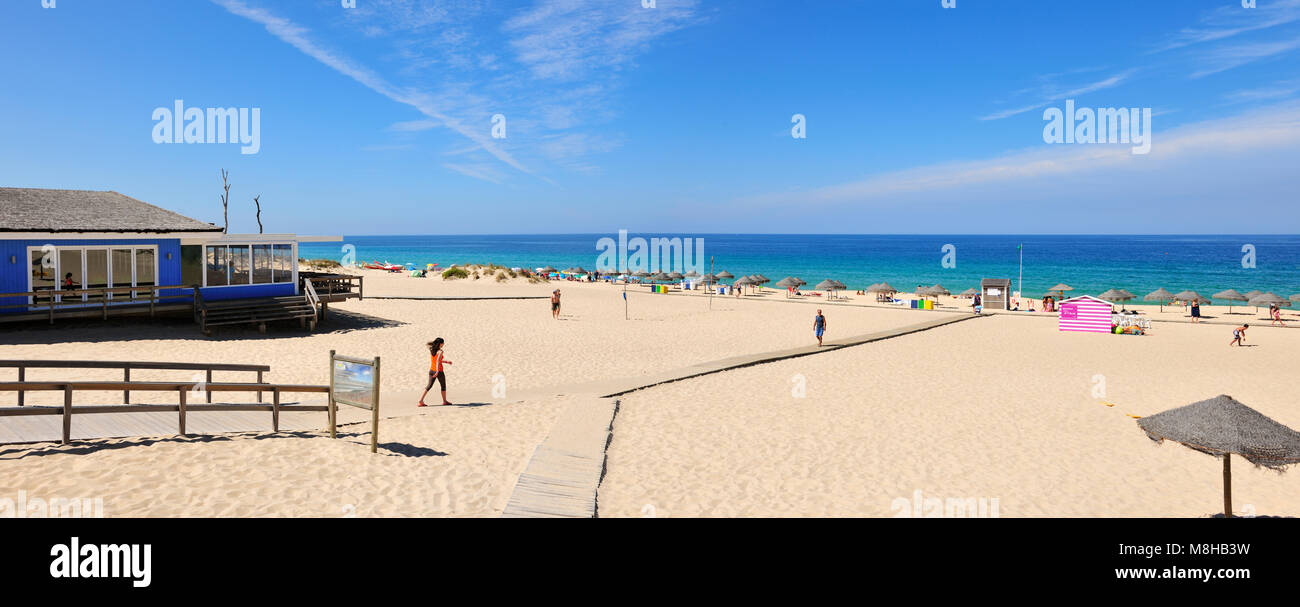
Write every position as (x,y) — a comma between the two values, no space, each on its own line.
(1253,294)
(675,276)
(1222,426)
(969,293)
(1268,299)
(826,285)
(882,288)
(549,270)
(725,275)
(1190,296)
(789,282)
(1116,295)
(1061,288)
(1161,295)
(1230,295)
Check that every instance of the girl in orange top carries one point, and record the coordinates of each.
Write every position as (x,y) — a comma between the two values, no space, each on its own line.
(436,360)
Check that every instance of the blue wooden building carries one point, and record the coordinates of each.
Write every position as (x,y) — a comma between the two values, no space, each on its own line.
(69,251)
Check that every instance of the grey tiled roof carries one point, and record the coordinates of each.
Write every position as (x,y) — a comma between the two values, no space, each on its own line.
(38,210)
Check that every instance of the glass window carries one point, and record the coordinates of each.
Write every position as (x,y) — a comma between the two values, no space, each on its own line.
(239,265)
(43,278)
(144,268)
(262,264)
(96,271)
(191,265)
(283,263)
(123,266)
(217,267)
(70,270)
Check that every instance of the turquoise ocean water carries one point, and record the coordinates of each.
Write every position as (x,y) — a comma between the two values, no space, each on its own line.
(1092,264)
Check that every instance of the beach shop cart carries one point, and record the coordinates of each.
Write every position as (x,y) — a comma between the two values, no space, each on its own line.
(996,293)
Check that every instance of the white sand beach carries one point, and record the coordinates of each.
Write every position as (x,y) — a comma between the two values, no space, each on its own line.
(998,407)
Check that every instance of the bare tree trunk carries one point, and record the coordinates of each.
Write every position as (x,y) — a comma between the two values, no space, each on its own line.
(257,201)
(225,201)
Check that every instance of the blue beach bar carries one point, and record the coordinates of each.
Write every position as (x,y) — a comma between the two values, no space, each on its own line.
(87,253)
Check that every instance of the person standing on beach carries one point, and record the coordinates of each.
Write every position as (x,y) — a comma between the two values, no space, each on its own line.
(1239,336)
(1275,311)
(436,360)
(1196,310)
(819,327)
(555,304)
(975,304)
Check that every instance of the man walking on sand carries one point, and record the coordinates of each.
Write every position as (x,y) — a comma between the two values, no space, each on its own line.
(819,327)
(555,304)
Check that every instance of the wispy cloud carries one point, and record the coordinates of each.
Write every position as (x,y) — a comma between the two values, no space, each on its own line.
(569,39)
(1051,93)
(1232,20)
(1255,131)
(1231,56)
(551,68)
(298,37)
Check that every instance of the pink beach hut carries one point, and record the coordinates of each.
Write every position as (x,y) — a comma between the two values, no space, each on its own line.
(1086,314)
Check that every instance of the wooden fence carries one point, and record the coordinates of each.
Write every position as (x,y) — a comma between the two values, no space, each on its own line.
(182,407)
(126,367)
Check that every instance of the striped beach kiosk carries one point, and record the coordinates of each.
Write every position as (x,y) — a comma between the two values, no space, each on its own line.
(1085,314)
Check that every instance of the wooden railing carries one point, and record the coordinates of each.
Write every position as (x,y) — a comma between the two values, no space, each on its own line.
(104,297)
(126,367)
(331,285)
(182,389)
(313,300)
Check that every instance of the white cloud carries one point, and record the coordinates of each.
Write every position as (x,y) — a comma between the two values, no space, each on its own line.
(1256,131)
(1051,93)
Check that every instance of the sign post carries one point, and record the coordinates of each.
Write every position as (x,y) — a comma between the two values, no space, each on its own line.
(355,382)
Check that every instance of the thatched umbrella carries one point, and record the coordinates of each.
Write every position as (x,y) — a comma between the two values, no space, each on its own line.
(725,275)
(549,270)
(1190,296)
(789,282)
(1230,295)
(675,276)
(1222,426)
(661,277)
(882,288)
(1061,288)
(969,293)
(579,270)
(1161,295)
(1253,294)
(1116,295)
(826,285)
(1268,299)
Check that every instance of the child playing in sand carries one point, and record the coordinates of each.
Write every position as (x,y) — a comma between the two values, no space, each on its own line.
(437,360)
(1239,336)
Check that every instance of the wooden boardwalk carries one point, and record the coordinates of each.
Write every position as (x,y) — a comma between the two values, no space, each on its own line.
(564,475)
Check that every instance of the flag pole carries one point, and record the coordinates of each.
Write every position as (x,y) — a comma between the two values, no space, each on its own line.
(1020,283)
(711,282)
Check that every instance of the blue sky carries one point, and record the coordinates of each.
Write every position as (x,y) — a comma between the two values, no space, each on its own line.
(677,118)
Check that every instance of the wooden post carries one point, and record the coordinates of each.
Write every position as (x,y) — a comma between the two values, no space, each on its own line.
(259,392)
(205,386)
(126,376)
(361,288)
(1227,485)
(184,393)
(275,410)
(67,414)
(333,429)
(22,394)
(374,411)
